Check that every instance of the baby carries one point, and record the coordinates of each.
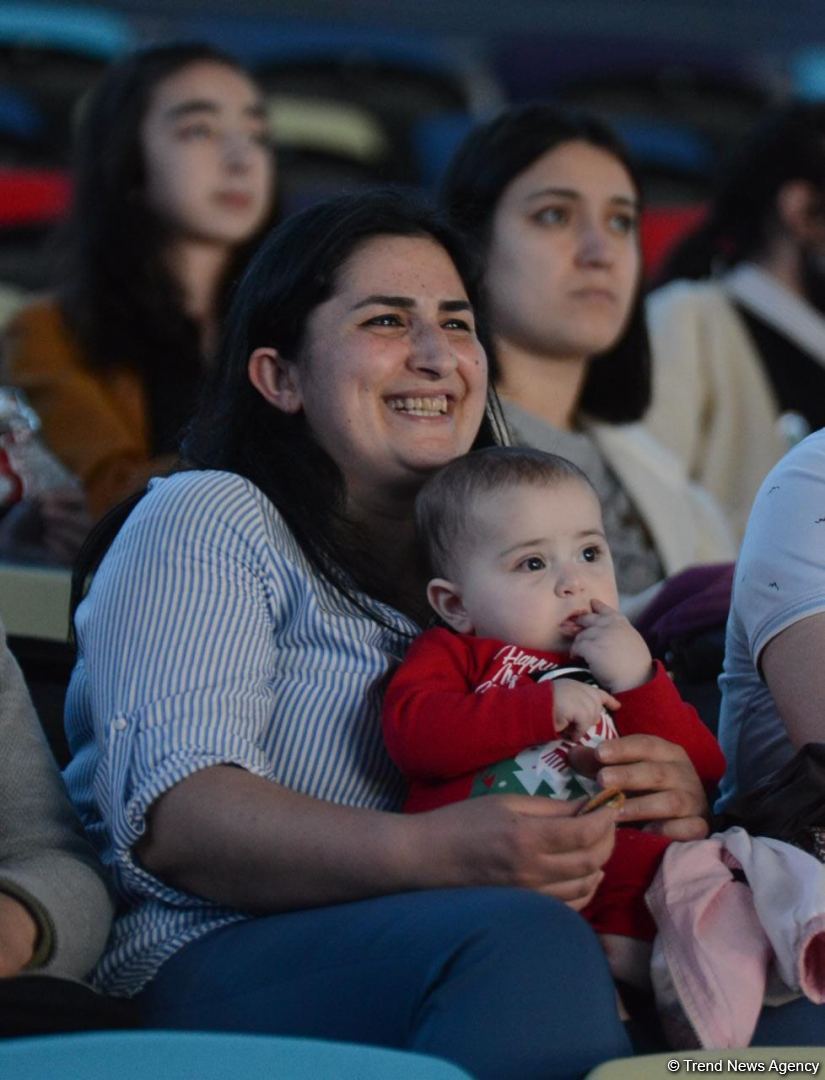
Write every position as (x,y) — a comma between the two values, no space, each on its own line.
(537,659)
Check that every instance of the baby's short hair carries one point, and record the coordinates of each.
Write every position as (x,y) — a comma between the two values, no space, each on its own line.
(443,503)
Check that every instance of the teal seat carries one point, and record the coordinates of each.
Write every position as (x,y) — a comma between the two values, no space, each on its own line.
(173,1055)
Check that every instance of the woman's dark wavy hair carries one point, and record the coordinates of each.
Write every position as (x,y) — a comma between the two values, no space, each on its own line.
(618,384)
(235,429)
(119,298)
(788,144)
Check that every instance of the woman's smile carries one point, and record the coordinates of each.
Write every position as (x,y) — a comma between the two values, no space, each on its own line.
(428,406)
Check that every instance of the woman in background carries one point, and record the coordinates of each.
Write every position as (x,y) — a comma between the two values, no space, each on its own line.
(174,181)
(738,333)
(553,202)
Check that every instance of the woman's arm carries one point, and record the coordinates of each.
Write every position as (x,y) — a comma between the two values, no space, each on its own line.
(244,841)
(793,666)
(49,875)
(19,934)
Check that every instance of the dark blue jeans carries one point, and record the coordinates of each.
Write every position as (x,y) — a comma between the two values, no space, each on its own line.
(504,982)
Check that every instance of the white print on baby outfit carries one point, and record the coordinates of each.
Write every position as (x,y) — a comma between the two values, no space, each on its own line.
(547,764)
(540,770)
(515,663)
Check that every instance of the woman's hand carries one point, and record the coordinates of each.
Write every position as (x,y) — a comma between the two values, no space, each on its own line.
(664,792)
(517,840)
(18,936)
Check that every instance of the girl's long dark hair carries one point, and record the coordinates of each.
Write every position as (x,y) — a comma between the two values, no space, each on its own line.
(789,144)
(117,295)
(618,384)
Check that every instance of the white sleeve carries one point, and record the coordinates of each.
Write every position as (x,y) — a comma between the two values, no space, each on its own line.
(780,576)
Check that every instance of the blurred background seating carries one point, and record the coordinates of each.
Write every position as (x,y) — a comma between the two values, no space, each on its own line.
(383,92)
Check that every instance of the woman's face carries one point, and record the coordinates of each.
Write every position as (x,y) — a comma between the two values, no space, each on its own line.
(563,264)
(392,378)
(208,160)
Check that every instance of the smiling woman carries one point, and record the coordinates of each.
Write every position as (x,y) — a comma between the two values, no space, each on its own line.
(406,392)
(234,763)
(161,223)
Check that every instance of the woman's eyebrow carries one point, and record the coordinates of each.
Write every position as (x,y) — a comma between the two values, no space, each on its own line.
(206,105)
(388,301)
(559,192)
(571,193)
(408,302)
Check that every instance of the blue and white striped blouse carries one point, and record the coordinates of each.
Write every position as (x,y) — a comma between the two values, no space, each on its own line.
(207,638)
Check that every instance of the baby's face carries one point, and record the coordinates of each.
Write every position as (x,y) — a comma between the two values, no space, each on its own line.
(534,559)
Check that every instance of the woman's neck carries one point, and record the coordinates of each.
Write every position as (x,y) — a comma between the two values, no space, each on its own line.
(199,269)
(547,387)
(387,532)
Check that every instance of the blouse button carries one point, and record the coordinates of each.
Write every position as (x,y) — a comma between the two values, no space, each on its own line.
(119,724)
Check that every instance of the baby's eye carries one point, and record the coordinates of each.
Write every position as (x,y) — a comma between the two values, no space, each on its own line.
(532,564)
(592,553)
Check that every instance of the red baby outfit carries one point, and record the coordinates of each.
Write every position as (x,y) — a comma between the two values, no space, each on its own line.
(460,712)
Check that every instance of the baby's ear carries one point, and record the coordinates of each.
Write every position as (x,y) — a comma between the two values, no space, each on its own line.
(445,600)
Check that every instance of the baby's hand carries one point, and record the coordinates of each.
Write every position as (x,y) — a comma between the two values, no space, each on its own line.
(612,648)
(577,706)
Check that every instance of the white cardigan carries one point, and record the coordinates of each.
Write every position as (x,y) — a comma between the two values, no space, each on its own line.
(713,404)
(686,524)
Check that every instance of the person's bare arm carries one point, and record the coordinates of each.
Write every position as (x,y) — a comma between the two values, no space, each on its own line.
(793,667)
(241,840)
(18,935)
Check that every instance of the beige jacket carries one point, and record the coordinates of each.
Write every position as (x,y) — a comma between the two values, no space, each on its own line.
(713,405)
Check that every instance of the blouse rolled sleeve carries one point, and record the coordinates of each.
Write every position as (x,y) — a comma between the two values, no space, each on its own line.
(182,640)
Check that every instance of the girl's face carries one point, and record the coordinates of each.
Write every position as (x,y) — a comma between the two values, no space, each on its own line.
(392,378)
(563,264)
(208,160)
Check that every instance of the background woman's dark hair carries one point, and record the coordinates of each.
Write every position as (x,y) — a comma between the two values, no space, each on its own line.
(618,384)
(295,270)
(789,144)
(118,297)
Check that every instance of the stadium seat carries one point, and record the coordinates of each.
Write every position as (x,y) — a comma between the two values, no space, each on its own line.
(171,1055)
